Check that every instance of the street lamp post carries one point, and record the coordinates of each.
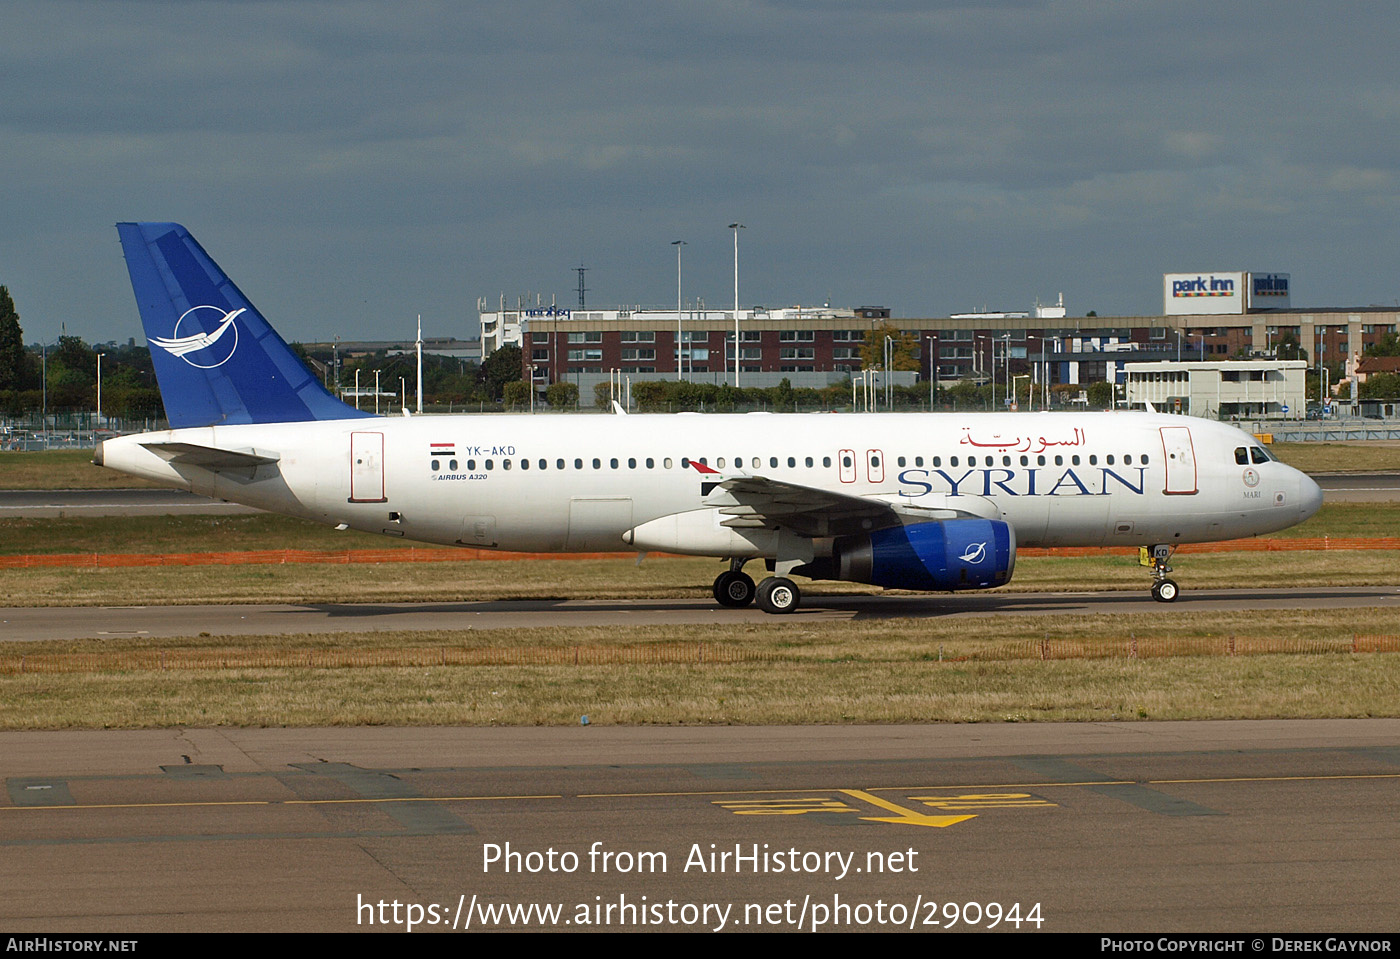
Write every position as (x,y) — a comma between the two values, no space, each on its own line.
(678,244)
(376,392)
(1006,358)
(98,421)
(736,227)
(932,370)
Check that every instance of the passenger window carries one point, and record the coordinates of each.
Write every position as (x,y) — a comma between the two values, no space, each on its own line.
(900,461)
(1059,460)
(1128,460)
(792,462)
(436,466)
(631,463)
(1093,459)
(845,462)
(937,461)
(953,461)
(544,464)
(524,464)
(558,464)
(578,464)
(685,462)
(651,463)
(719,463)
(613,462)
(1074,460)
(773,462)
(826,460)
(1241,456)
(505,464)
(1006,461)
(918,461)
(471,466)
(597,463)
(1040,461)
(666,462)
(452,465)
(1025,461)
(489,464)
(1110,459)
(809,461)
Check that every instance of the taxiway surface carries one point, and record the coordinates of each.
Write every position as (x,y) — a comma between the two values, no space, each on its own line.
(18,624)
(1191,826)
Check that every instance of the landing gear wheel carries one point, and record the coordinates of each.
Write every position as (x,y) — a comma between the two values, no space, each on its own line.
(734,589)
(777,594)
(1165,590)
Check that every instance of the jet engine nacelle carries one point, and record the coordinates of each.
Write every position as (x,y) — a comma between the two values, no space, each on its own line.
(944,555)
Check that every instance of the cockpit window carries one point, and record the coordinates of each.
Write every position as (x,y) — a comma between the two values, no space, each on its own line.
(1260,454)
(1241,456)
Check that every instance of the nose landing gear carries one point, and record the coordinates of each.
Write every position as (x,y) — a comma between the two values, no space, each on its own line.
(1164,590)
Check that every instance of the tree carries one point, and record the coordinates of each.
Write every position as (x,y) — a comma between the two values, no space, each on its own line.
(1101,395)
(562,395)
(1288,347)
(872,351)
(11,343)
(500,368)
(515,393)
(1387,345)
(1381,386)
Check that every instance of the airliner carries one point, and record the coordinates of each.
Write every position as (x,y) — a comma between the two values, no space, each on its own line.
(934,502)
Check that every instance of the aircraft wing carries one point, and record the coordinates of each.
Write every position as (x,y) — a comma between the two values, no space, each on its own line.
(757,502)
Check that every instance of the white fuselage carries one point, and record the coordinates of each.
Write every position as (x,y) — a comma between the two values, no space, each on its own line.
(556,483)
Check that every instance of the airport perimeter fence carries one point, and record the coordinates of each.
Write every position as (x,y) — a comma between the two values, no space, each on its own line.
(424,554)
(670,654)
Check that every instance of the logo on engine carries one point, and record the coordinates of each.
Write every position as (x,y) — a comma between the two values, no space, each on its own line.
(205,350)
(976,552)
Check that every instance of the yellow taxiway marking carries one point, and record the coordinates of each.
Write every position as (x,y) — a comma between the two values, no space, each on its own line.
(784,807)
(984,801)
(866,794)
(907,817)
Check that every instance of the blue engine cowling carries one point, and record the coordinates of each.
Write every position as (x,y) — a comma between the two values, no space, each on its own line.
(944,555)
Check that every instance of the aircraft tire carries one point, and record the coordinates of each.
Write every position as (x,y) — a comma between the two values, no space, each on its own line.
(777,594)
(734,589)
(1165,591)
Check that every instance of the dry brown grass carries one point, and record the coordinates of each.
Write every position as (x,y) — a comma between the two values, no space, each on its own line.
(972,670)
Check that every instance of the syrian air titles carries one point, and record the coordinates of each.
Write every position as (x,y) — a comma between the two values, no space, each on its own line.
(1028,481)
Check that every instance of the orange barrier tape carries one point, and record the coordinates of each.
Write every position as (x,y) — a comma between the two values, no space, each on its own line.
(430,554)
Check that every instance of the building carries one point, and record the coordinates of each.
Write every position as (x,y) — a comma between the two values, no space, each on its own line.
(1234,389)
(816,346)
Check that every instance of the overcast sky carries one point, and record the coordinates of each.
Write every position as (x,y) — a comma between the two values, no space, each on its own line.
(352,164)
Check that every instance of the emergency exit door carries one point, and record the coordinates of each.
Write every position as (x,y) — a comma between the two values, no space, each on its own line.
(367,468)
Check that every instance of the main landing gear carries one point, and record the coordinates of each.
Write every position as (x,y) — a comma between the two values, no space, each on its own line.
(1164,590)
(735,589)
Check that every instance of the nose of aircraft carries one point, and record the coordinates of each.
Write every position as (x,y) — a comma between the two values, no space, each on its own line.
(1309,495)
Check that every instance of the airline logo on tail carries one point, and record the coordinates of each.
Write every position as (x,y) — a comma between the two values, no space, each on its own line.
(203,350)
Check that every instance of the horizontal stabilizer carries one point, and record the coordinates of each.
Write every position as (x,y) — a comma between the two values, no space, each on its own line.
(211,457)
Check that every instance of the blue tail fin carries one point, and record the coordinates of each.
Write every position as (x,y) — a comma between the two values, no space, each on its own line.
(216,359)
